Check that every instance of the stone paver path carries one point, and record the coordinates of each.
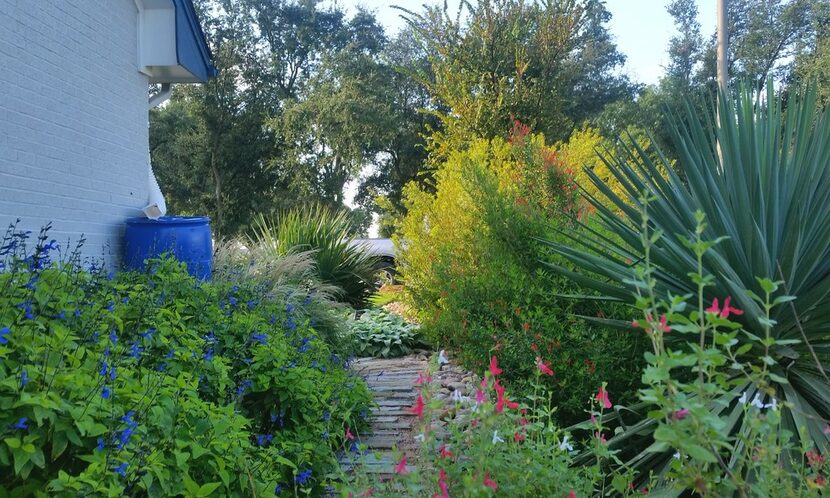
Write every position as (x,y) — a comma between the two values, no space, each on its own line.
(392,382)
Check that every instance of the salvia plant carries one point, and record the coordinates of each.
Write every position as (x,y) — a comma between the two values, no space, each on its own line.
(156,384)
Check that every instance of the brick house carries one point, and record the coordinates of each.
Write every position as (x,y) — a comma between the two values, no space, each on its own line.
(74,81)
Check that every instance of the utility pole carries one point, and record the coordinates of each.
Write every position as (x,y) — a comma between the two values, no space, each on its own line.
(723,77)
(723,42)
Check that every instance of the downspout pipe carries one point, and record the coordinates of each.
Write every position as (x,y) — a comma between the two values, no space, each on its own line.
(156,207)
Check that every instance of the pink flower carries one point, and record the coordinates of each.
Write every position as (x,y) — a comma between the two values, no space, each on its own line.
(501,399)
(518,437)
(544,368)
(480,397)
(572,494)
(827,430)
(727,310)
(601,437)
(489,482)
(444,452)
(664,324)
(442,483)
(418,409)
(423,379)
(400,468)
(349,435)
(681,413)
(602,397)
(494,367)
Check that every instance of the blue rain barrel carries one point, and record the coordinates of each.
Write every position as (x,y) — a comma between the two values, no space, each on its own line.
(188,238)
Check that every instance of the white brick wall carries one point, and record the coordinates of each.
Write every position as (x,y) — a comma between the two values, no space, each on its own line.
(73,119)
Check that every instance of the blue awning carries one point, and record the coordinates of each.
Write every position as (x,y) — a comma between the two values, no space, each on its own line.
(192,49)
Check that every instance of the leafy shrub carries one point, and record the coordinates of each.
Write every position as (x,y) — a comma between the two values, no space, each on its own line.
(382,334)
(770,198)
(498,445)
(156,384)
(472,268)
(327,233)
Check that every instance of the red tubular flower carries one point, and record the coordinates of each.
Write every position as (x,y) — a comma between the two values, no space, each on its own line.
(442,484)
(423,379)
(543,367)
(681,413)
(418,409)
(572,494)
(494,367)
(400,468)
(349,435)
(715,308)
(489,482)
(518,437)
(664,324)
(603,398)
(727,310)
(444,452)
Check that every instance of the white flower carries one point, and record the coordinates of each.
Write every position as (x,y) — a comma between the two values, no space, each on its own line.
(565,445)
(773,405)
(458,398)
(496,438)
(442,358)
(756,402)
(742,399)
(676,455)
(420,437)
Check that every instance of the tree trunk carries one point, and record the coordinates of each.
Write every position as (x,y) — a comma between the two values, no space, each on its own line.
(217,192)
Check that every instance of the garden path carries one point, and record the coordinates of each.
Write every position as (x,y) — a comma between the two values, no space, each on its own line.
(393,426)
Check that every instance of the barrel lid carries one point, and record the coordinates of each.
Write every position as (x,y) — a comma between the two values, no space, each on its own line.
(170,220)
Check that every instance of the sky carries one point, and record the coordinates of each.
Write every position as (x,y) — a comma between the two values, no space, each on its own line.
(641,28)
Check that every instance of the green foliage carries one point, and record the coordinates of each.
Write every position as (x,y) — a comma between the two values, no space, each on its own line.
(156,384)
(382,334)
(471,265)
(548,64)
(327,234)
(690,396)
(768,199)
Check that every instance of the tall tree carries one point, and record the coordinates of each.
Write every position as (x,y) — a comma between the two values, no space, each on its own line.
(208,145)
(550,64)
(686,47)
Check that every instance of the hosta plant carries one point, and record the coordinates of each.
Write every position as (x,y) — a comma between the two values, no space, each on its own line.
(759,176)
(383,334)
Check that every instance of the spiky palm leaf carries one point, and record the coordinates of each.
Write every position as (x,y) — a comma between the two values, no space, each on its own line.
(770,196)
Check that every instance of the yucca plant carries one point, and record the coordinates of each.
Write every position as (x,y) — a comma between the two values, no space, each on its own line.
(327,234)
(768,193)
